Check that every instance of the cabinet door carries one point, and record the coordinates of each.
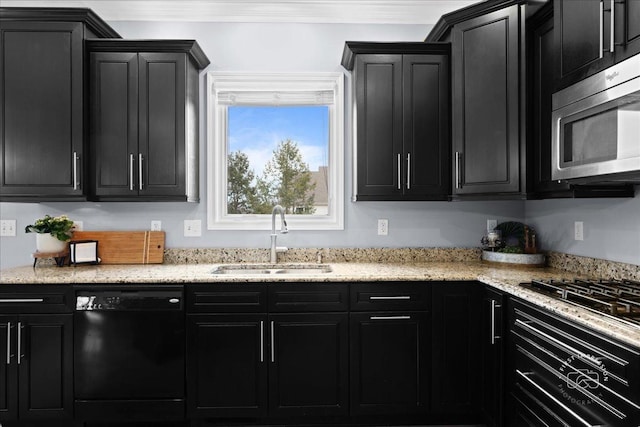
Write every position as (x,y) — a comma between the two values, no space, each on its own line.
(378,81)
(114,123)
(456,340)
(486,103)
(41,113)
(308,369)
(541,60)
(8,368)
(162,124)
(46,370)
(627,28)
(226,368)
(580,41)
(389,363)
(426,126)
(492,345)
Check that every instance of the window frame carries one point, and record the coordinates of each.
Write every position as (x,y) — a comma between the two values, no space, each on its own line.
(217,124)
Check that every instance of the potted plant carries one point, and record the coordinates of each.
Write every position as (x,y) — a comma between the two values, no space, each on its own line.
(53,233)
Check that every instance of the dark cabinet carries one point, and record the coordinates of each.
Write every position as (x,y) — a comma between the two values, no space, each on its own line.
(390,348)
(456,328)
(227,366)
(143,131)
(487,104)
(593,35)
(36,343)
(308,369)
(42,133)
(243,362)
(401,93)
(492,355)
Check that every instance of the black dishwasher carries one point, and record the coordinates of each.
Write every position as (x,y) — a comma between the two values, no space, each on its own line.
(129,354)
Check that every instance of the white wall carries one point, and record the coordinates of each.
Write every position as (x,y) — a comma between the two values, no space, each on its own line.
(272,47)
(611,226)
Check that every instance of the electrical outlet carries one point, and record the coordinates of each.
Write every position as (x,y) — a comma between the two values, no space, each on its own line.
(192,228)
(383,227)
(156,225)
(578,229)
(8,228)
(78,225)
(491,224)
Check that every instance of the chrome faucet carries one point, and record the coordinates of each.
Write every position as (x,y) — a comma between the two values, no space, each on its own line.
(283,229)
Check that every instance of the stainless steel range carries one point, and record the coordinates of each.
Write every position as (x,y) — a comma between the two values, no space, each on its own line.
(617,299)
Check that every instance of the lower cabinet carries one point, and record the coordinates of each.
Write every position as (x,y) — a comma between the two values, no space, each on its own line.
(389,363)
(456,342)
(36,376)
(492,346)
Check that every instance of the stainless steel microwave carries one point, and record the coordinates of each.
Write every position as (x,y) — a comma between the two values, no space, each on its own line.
(596,126)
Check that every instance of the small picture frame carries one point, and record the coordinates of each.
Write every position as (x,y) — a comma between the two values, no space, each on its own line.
(83,252)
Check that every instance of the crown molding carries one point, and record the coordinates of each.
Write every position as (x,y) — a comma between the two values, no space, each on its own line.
(298,11)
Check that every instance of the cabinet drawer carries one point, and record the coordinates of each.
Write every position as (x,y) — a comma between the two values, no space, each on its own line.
(36,299)
(227,298)
(302,297)
(390,296)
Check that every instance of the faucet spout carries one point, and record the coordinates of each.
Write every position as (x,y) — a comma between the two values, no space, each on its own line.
(283,229)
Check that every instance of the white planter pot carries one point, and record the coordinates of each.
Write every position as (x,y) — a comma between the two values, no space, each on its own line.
(46,243)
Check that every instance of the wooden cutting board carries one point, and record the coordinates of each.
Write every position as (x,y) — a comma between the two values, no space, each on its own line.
(126,247)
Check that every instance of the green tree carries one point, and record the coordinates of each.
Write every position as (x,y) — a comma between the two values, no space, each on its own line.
(290,179)
(241,194)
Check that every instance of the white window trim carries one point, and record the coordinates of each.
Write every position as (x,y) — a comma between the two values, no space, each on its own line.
(217,217)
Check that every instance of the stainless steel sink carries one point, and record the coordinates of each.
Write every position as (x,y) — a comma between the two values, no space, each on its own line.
(280,269)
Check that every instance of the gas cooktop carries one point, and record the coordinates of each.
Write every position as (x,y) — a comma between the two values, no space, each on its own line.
(617,299)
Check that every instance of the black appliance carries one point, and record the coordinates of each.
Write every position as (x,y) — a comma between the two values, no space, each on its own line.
(129,355)
(615,299)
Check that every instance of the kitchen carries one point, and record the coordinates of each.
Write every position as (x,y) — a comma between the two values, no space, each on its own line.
(611,225)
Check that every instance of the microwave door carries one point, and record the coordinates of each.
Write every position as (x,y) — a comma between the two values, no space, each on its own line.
(598,135)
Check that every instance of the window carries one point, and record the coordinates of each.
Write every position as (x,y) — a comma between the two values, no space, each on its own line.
(275,139)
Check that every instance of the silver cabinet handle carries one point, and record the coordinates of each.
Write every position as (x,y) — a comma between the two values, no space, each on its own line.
(20,342)
(612,32)
(21,300)
(273,343)
(458,154)
(140,160)
(390,318)
(494,306)
(399,173)
(8,343)
(399,297)
(408,171)
(601,29)
(131,163)
(550,396)
(261,341)
(75,159)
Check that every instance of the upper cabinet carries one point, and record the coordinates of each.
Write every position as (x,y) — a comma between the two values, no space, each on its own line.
(144,119)
(487,104)
(592,35)
(43,155)
(401,120)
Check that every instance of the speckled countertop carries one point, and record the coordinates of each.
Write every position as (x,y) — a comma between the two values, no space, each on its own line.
(505,278)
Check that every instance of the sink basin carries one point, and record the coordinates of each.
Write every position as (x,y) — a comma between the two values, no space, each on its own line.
(280,269)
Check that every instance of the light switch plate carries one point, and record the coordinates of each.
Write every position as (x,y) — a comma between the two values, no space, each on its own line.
(8,228)
(192,228)
(383,227)
(578,227)
(491,224)
(156,225)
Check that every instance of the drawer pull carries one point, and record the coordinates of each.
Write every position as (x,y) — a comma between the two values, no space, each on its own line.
(261,341)
(8,343)
(390,318)
(399,297)
(20,355)
(525,375)
(21,300)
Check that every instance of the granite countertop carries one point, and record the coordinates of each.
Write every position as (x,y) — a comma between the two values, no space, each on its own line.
(505,278)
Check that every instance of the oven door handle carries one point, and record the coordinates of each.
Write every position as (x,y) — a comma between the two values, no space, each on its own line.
(525,376)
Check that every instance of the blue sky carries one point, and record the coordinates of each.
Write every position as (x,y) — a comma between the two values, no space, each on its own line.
(256,131)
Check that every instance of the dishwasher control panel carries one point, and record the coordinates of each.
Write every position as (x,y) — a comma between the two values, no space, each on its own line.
(129,300)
